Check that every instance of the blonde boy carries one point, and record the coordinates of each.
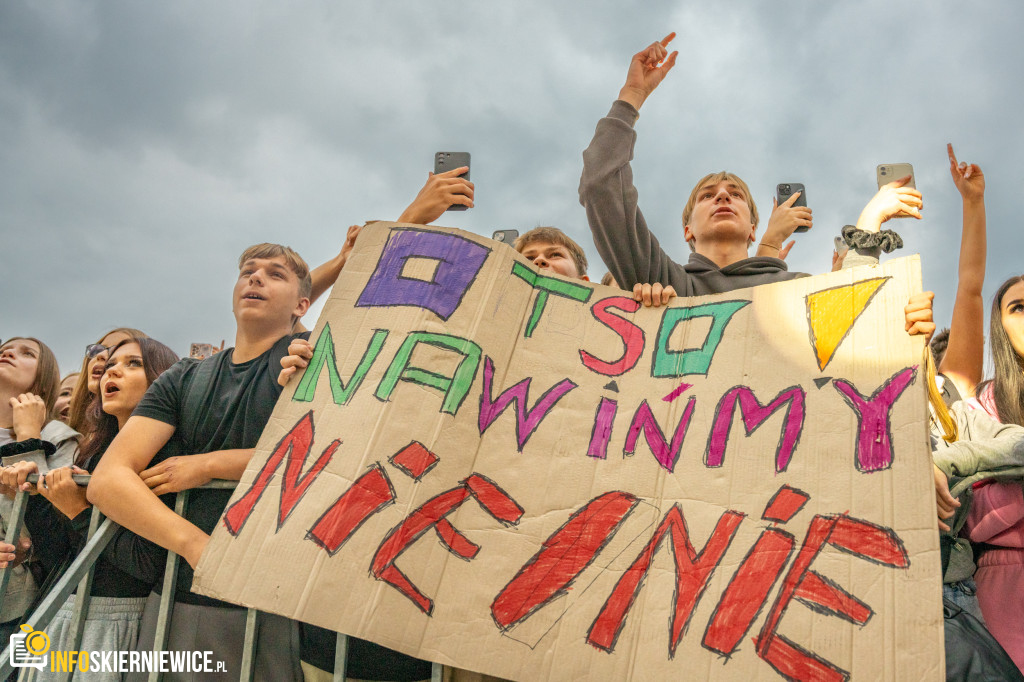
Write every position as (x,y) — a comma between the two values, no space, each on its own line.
(551,249)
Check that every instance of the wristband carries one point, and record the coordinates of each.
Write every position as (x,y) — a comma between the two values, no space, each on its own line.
(29,445)
(887,240)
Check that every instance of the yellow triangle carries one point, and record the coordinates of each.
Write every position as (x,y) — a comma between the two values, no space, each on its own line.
(832,312)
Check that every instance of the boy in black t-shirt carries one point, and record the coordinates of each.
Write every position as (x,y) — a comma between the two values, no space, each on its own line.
(217,407)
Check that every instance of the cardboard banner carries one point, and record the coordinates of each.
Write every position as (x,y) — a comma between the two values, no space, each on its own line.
(538,478)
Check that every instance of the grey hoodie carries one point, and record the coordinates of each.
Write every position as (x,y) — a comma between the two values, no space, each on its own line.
(631,252)
(984,449)
(21,589)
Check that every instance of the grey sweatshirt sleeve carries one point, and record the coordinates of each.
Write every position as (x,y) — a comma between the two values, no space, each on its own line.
(985,449)
(632,254)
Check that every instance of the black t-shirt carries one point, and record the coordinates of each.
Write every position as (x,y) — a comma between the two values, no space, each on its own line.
(366,660)
(214,404)
(130,565)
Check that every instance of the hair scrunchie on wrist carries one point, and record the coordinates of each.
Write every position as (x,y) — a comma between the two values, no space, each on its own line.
(887,240)
(29,445)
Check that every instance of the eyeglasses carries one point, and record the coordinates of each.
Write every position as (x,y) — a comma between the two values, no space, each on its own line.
(94,349)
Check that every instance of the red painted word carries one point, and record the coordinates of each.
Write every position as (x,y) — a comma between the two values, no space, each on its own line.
(563,556)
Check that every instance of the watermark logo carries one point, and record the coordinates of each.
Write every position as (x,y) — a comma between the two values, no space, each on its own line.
(30,648)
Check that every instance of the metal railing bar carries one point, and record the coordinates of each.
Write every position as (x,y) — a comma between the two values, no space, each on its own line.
(340,658)
(249,647)
(83,597)
(55,598)
(163,620)
(13,530)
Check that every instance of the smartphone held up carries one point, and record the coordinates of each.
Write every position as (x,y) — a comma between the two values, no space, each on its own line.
(785,190)
(890,172)
(505,236)
(447,161)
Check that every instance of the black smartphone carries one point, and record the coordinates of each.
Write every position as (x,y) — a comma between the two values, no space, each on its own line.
(446,161)
(784,190)
(505,236)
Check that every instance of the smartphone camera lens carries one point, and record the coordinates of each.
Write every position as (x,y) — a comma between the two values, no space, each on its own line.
(785,189)
(883,171)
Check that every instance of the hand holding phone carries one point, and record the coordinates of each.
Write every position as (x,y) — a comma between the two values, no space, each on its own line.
(897,197)
(887,173)
(784,191)
(448,161)
(842,248)
(789,214)
(890,172)
(447,189)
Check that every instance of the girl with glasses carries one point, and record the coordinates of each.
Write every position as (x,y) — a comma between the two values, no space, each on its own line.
(92,366)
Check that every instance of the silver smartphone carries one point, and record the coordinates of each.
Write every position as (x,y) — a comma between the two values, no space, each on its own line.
(841,246)
(887,172)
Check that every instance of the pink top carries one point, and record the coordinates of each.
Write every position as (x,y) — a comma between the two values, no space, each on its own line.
(996,517)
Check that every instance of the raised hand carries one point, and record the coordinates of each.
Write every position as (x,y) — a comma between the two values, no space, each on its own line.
(646,71)
(782,224)
(440,192)
(350,243)
(967,177)
(837,259)
(892,199)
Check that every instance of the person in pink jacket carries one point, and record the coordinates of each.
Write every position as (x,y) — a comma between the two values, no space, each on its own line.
(996,517)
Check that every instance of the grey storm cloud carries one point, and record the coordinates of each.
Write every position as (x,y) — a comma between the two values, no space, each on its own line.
(143,146)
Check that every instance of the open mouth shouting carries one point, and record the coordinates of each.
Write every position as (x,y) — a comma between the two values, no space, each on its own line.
(111,389)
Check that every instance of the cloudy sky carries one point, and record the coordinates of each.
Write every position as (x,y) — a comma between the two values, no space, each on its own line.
(144,145)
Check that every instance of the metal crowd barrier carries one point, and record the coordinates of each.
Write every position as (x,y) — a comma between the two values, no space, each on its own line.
(80,574)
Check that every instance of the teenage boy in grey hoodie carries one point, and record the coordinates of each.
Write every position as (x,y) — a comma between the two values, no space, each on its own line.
(719,222)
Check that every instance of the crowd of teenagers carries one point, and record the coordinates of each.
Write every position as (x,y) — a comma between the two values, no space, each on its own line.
(145,425)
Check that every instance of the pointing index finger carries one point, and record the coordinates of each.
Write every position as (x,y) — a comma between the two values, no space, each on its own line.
(668,39)
(949,151)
